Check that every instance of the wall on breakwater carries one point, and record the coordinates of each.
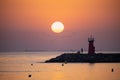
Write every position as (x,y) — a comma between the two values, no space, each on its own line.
(90,58)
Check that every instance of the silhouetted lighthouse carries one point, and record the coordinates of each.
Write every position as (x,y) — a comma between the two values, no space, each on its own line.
(91,48)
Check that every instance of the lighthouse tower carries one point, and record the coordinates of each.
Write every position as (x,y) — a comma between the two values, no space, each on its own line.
(91,48)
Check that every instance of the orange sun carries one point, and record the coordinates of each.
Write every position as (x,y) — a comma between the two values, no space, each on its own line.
(57,27)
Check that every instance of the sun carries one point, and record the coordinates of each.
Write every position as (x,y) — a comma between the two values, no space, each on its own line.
(57,27)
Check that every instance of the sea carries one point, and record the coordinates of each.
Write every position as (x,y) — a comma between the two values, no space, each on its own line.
(31,66)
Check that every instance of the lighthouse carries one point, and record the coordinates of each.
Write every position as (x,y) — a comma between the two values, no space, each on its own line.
(91,48)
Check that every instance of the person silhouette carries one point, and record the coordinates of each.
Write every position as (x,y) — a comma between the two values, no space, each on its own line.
(81,50)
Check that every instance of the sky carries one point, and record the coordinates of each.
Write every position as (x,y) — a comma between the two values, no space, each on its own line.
(26,24)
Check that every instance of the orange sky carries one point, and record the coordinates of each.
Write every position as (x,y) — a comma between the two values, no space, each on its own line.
(80,17)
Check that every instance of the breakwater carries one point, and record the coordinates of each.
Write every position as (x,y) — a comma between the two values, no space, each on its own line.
(86,58)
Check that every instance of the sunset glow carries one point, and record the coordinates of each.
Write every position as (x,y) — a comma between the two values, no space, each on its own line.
(26,24)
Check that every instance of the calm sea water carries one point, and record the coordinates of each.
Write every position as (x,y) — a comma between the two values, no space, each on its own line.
(17,66)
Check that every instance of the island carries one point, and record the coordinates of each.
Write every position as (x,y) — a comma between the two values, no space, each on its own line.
(91,57)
